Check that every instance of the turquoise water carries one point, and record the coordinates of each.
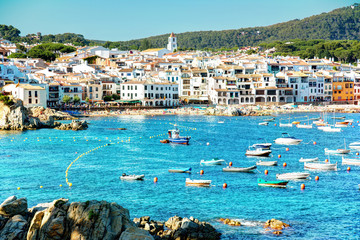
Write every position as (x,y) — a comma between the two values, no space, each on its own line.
(325,209)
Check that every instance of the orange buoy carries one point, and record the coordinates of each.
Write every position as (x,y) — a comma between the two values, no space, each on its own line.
(275,124)
(357,121)
(287,149)
(357,154)
(326,160)
(201,172)
(314,143)
(348,169)
(317,178)
(302,186)
(350,124)
(224,185)
(279,156)
(155,179)
(230,164)
(353,126)
(284,164)
(266,172)
(304,123)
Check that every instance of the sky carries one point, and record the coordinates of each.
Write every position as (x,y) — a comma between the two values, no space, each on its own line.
(121,20)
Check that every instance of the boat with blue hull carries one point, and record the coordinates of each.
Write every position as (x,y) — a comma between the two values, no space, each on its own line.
(175,138)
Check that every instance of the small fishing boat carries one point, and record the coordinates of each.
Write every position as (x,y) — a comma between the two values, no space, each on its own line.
(309,159)
(329,129)
(286,139)
(267,163)
(214,161)
(338,118)
(355,145)
(269,120)
(239,169)
(293,176)
(349,120)
(315,119)
(124,176)
(220,121)
(295,122)
(264,123)
(351,161)
(320,166)
(198,183)
(285,125)
(258,152)
(262,145)
(340,125)
(185,170)
(304,126)
(319,122)
(175,138)
(265,183)
(336,151)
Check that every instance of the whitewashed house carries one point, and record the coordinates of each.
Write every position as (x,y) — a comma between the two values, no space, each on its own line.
(32,96)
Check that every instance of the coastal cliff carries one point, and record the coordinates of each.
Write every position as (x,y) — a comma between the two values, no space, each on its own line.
(17,117)
(91,220)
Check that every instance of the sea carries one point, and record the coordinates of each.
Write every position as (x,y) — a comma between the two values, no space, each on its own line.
(34,165)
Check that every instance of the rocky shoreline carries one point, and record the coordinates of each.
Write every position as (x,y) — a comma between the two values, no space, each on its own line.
(18,118)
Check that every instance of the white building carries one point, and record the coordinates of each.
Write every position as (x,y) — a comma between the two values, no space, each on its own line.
(32,96)
(172,43)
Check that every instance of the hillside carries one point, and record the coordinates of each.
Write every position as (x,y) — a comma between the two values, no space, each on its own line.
(339,24)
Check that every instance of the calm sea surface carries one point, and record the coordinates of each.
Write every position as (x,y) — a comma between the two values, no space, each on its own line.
(326,209)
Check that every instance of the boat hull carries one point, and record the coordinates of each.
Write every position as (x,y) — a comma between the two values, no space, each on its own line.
(197,183)
(320,166)
(276,184)
(132,177)
(238,169)
(292,176)
(267,163)
(349,161)
(184,141)
(212,162)
(309,159)
(264,153)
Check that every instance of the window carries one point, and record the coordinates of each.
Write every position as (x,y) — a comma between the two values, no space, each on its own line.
(152,87)
(36,101)
(97,89)
(135,87)
(97,95)
(29,100)
(36,94)
(29,93)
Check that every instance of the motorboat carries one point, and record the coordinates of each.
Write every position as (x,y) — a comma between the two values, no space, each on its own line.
(285,125)
(269,120)
(262,145)
(174,137)
(295,122)
(124,176)
(304,126)
(214,161)
(286,139)
(239,169)
(267,163)
(349,120)
(336,151)
(329,129)
(293,176)
(264,123)
(309,159)
(258,152)
(320,166)
(337,125)
(185,170)
(198,183)
(355,145)
(221,121)
(338,118)
(351,161)
(342,123)
(266,183)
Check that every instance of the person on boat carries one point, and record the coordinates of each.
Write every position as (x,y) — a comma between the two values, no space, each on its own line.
(124,174)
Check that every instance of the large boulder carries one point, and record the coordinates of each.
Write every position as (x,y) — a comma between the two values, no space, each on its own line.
(15,228)
(276,224)
(13,206)
(134,233)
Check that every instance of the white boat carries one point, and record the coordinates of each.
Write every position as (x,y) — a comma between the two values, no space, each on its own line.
(262,145)
(351,161)
(355,145)
(286,139)
(338,118)
(199,183)
(309,159)
(304,126)
(267,163)
(214,161)
(329,129)
(340,125)
(337,151)
(264,123)
(293,176)
(285,125)
(349,120)
(319,122)
(239,169)
(259,152)
(220,121)
(320,166)
(132,177)
(269,120)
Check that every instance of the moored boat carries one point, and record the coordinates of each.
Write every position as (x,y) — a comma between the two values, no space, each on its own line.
(239,169)
(286,139)
(258,152)
(175,138)
(266,183)
(320,166)
(351,161)
(269,120)
(355,145)
(124,176)
(264,123)
(339,118)
(336,151)
(293,176)
(198,183)
(295,122)
(304,126)
(185,170)
(214,161)
(267,163)
(309,159)
(285,125)
(329,129)
(262,145)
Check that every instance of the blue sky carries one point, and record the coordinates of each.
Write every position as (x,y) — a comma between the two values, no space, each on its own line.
(118,20)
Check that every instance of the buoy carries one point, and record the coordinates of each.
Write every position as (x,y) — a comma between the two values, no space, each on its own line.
(284,164)
(357,153)
(302,186)
(155,179)
(275,124)
(224,185)
(266,172)
(201,172)
(70,184)
(230,164)
(60,185)
(350,124)
(18,188)
(314,143)
(279,156)
(317,178)
(326,160)
(41,186)
(207,143)
(348,169)
(287,149)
